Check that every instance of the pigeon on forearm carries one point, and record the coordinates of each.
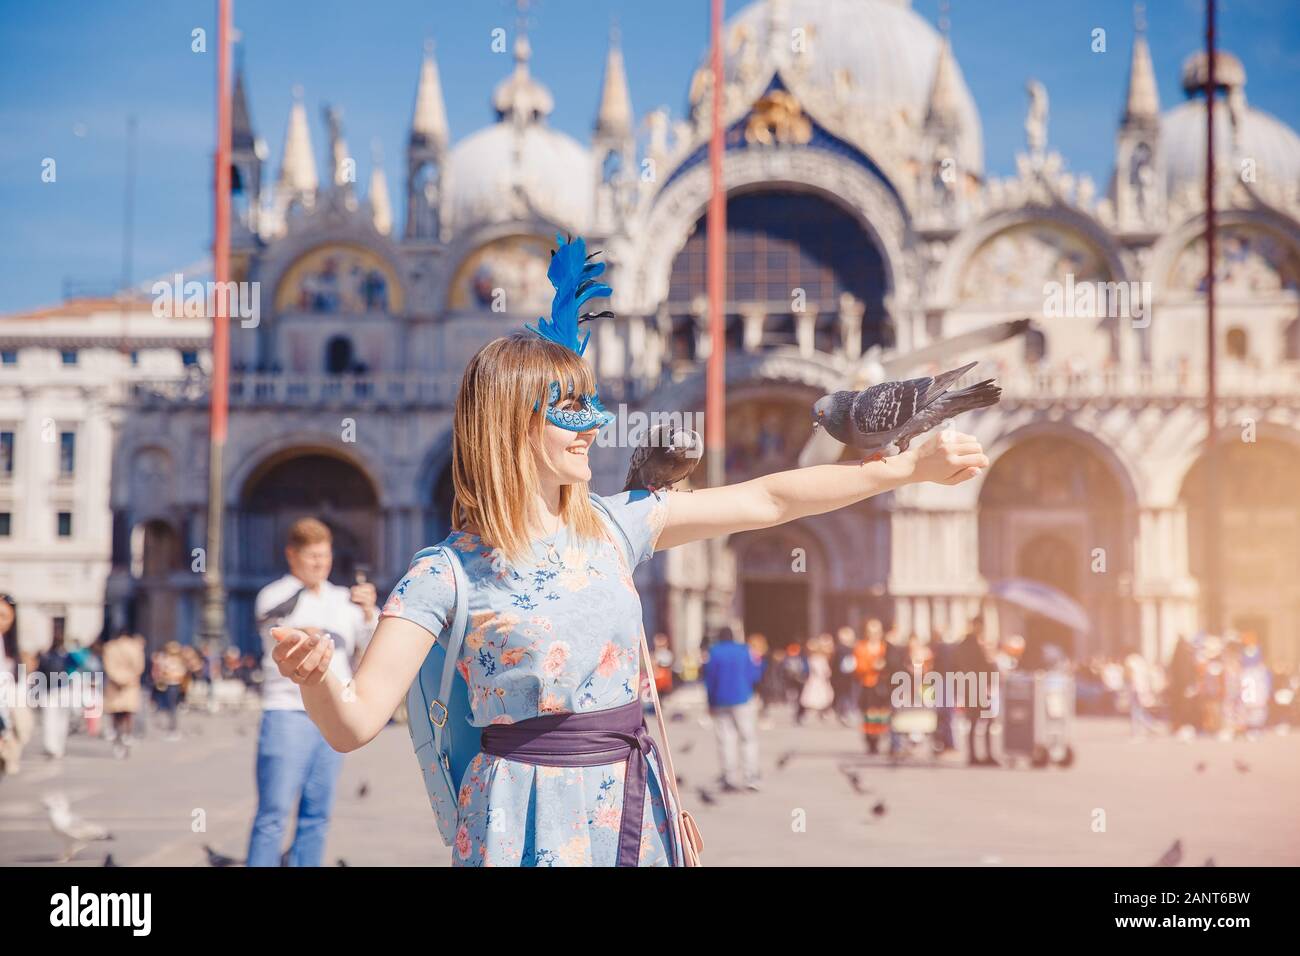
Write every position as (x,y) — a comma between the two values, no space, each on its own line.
(884,419)
(667,456)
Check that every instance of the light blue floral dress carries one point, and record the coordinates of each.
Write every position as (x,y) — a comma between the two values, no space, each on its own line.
(547,638)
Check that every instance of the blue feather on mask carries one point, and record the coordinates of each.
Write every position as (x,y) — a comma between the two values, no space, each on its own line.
(574,279)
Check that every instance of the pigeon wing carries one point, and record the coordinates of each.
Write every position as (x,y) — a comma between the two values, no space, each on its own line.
(883,408)
(640,455)
(950,405)
(941,383)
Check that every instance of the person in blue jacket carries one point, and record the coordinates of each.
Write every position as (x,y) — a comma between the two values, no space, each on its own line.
(729,677)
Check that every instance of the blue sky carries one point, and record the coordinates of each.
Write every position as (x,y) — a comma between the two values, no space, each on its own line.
(71,71)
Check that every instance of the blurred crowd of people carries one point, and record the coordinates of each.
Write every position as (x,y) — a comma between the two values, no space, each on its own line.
(1209,686)
(102,689)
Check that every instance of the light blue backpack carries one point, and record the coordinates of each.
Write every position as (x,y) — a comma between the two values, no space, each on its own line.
(438,714)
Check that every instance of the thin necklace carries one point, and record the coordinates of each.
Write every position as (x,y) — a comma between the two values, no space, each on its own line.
(552,555)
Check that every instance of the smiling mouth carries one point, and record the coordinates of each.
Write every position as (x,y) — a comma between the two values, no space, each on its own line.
(578,450)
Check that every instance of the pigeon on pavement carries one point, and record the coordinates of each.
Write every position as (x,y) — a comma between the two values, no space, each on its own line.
(1173,856)
(75,832)
(220,860)
(882,420)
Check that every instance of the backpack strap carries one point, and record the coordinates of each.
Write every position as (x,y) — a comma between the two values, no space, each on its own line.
(455,638)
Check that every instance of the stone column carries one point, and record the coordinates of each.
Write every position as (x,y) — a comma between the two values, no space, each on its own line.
(1165,590)
(805,331)
(700,314)
(752,318)
(851,313)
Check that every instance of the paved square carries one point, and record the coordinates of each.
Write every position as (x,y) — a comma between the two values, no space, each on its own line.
(170,798)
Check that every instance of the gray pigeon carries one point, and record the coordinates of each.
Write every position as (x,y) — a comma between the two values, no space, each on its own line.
(883,419)
(1173,856)
(668,455)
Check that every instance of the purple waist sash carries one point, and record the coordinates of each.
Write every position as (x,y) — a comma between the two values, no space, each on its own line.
(586,740)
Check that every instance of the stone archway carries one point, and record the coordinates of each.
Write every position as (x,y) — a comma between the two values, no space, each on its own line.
(1051,510)
(789,252)
(1259,547)
(778,588)
(308,483)
(155,556)
(1051,559)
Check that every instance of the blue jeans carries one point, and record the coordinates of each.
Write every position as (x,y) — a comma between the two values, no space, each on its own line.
(295,768)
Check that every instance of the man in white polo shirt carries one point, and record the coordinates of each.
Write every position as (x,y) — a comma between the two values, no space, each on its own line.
(296,768)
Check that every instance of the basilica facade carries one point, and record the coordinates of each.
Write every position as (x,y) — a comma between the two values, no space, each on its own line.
(863,235)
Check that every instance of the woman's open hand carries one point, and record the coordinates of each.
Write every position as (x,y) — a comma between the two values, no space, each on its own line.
(947,458)
(302,654)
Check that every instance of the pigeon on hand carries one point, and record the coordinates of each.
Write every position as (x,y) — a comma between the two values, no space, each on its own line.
(882,420)
(666,457)
(75,832)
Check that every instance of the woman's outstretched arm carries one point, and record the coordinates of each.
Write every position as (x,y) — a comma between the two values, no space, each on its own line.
(948,458)
(349,716)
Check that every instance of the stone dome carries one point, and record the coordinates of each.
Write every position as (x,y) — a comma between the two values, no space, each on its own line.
(1259,135)
(519,164)
(491,172)
(884,49)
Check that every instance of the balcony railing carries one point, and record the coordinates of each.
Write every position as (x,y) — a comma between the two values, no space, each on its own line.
(1233,382)
(276,389)
(429,390)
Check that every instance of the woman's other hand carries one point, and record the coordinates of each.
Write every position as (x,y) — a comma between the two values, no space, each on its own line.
(947,458)
(302,654)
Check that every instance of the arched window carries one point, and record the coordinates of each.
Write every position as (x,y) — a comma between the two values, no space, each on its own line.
(338,355)
(788,251)
(1035,346)
(611,167)
(1238,343)
(1292,340)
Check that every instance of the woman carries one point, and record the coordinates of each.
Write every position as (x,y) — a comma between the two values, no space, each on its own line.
(874,696)
(817,695)
(124,660)
(55,666)
(1142,697)
(555,614)
(15,715)
(169,673)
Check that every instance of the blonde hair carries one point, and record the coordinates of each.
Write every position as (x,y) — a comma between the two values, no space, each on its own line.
(494,477)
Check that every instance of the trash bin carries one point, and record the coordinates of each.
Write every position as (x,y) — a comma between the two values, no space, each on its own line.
(1038,717)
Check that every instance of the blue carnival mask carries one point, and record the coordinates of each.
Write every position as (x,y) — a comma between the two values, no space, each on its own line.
(590,415)
(574,277)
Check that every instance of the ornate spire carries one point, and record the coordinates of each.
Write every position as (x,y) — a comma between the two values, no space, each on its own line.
(429,120)
(944,106)
(297,165)
(381,210)
(614,118)
(1142,105)
(519,97)
(241,125)
(339,157)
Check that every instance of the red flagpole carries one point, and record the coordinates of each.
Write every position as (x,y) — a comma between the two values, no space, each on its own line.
(214,605)
(714,407)
(1213,564)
